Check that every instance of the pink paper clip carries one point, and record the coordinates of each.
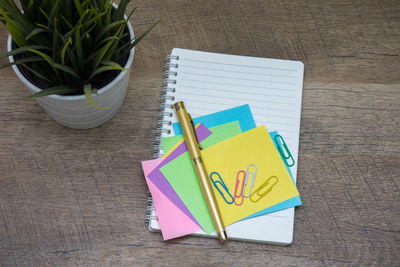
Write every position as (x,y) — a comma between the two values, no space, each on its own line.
(241,190)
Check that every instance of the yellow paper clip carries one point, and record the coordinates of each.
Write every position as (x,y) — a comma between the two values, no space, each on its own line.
(223,185)
(253,174)
(268,184)
(241,190)
(280,142)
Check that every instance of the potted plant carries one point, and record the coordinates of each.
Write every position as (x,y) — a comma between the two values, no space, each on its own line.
(73,56)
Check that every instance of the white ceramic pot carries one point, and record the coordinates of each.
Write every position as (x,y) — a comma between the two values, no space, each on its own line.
(75,111)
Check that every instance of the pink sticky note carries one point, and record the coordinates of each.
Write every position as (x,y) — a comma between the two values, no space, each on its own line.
(172,220)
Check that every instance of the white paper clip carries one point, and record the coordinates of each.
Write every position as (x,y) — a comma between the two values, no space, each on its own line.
(246,179)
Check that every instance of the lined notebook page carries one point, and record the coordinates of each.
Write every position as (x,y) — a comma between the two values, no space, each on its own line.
(210,82)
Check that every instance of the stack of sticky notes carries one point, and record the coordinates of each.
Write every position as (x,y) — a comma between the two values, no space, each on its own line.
(249,169)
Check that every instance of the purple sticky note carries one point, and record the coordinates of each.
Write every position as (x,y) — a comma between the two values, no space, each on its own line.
(161,182)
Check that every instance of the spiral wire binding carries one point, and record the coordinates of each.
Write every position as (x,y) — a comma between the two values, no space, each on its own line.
(164,124)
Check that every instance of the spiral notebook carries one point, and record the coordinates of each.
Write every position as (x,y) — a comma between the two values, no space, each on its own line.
(210,82)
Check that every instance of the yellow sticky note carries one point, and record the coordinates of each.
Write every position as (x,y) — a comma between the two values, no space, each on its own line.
(230,156)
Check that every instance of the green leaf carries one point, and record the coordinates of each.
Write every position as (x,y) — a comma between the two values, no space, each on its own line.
(106,40)
(105,68)
(108,62)
(107,5)
(13,5)
(21,61)
(54,11)
(95,19)
(79,50)
(87,88)
(88,31)
(31,3)
(57,90)
(22,50)
(107,29)
(108,8)
(66,69)
(78,7)
(44,13)
(111,50)
(99,57)
(119,13)
(34,32)
(137,40)
(67,22)
(56,65)
(123,47)
(28,8)
(68,10)
(43,26)
(130,14)
(36,73)
(72,58)
(64,49)
(48,59)
(83,16)
(14,29)
(43,55)
(55,41)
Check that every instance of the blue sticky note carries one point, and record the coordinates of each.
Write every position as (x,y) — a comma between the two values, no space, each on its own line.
(240,113)
(296,201)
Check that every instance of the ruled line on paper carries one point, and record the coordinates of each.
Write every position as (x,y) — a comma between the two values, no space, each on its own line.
(241,99)
(201,109)
(238,65)
(256,110)
(278,123)
(276,216)
(230,105)
(266,123)
(233,78)
(231,84)
(263,93)
(259,113)
(242,72)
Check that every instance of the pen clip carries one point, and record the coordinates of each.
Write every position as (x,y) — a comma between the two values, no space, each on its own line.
(194,130)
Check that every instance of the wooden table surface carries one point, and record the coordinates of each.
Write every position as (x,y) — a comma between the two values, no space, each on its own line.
(78,197)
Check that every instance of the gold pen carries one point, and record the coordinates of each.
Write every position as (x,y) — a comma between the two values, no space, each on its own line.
(194,148)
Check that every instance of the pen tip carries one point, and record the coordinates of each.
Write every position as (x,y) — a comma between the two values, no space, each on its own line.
(222,237)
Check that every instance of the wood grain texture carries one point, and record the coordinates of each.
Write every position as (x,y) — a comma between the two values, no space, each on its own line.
(70,197)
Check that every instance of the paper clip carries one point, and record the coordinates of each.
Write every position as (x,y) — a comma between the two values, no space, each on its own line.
(283,155)
(221,182)
(253,174)
(268,184)
(241,190)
